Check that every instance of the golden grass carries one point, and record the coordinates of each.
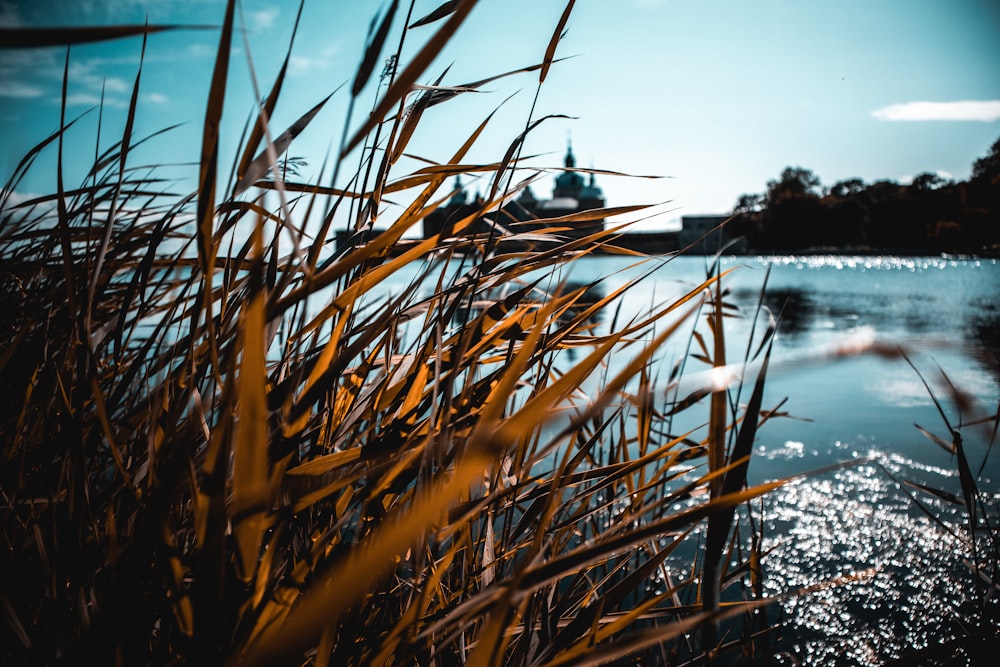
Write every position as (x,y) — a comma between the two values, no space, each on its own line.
(219,450)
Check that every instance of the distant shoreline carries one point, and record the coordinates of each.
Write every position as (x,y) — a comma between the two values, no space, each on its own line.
(659,244)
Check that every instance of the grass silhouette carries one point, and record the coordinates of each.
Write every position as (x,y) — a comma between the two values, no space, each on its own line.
(226,442)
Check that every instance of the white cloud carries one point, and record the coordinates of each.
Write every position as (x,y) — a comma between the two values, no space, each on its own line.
(15,198)
(201,50)
(900,392)
(262,18)
(34,63)
(20,90)
(89,99)
(157,98)
(299,65)
(83,73)
(975,110)
(114,84)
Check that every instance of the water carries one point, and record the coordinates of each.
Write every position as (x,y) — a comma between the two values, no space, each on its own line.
(915,590)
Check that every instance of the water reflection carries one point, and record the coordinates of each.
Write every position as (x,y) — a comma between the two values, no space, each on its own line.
(592,294)
(914,591)
(921,310)
(804,310)
(796,308)
(920,590)
(983,331)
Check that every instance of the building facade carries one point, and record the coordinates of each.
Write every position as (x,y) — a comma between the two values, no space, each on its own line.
(708,235)
(573,193)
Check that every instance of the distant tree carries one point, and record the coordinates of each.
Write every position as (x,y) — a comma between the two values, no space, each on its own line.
(845,188)
(794,182)
(988,167)
(981,218)
(931,214)
(927,181)
(750,203)
(897,220)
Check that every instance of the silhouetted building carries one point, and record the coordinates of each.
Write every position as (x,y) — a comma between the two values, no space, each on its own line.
(702,235)
(572,194)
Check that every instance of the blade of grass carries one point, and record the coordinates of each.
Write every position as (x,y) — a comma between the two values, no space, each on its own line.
(266,159)
(401,86)
(444,9)
(267,110)
(251,492)
(372,50)
(366,564)
(550,51)
(208,168)
(26,38)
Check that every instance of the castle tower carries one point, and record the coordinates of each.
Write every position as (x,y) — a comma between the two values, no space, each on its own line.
(569,184)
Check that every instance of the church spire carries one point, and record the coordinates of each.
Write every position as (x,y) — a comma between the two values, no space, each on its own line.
(570,161)
(569,183)
(459,197)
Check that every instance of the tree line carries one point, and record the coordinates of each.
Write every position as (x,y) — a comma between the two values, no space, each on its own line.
(928,215)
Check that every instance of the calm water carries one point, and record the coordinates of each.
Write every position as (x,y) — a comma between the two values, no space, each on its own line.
(860,409)
(946,315)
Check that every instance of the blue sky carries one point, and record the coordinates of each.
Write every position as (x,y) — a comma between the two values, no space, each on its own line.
(717,96)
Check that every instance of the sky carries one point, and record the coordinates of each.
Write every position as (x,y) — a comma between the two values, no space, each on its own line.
(717,97)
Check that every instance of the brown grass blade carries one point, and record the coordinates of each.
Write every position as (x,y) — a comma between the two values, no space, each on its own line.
(402,85)
(251,474)
(267,111)
(207,177)
(366,564)
(10,614)
(513,149)
(550,51)
(112,213)
(260,164)
(600,548)
(61,209)
(637,641)
(940,442)
(373,50)
(720,404)
(324,464)
(442,10)
(29,157)
(596,214)
(312,189)
(720,524)
(943,495)
(26,38)
(414,113)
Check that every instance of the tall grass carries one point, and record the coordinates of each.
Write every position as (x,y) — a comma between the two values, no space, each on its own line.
(225,441)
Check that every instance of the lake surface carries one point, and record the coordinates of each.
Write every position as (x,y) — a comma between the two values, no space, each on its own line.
(860,409)
(945,313)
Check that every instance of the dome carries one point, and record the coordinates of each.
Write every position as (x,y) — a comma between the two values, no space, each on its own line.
(569,182)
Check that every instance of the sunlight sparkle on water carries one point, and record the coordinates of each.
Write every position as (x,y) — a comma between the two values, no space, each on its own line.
(854,519)
(868,262)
